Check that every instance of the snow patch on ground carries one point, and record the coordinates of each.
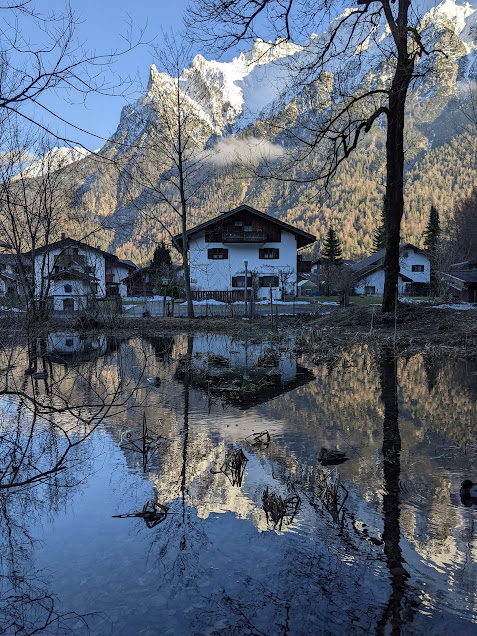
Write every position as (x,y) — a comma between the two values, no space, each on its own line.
(459,307)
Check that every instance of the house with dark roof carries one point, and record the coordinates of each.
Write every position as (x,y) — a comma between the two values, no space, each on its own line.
(70,273)
(414,271)
(462,281)
(13,271)
(221,249)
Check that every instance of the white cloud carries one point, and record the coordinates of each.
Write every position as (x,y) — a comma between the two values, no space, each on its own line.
(250,151)
(19,156)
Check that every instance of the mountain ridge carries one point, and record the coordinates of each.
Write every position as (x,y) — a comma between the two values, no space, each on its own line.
(242,94)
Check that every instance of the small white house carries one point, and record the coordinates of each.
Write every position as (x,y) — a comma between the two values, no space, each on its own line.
(70,273)
(414,267)
(244,239)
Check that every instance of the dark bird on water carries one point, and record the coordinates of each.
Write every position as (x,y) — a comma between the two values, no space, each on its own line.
(468,493)
(329,457)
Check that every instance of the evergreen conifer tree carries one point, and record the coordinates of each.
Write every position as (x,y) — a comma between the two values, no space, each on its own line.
(379,239)
(432,237)
(332,249)
(432,233)
(161,256)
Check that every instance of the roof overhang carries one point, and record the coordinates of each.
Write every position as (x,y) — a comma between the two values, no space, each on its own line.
(302,238)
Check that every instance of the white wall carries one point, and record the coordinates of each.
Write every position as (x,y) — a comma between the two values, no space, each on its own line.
(44,264)
(79,293)
(414,258)
(376,279)
(216,274)
(119,272)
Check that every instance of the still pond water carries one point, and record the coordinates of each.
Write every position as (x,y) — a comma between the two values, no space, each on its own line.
(256,535)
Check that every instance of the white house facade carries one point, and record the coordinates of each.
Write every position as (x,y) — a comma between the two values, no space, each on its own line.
(414,267)
(70,273)
(245,239)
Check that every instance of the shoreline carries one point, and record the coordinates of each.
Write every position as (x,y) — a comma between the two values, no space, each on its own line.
(413,327)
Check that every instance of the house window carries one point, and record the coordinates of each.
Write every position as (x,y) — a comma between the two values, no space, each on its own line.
(418,268)
(405,254)
(218,253)
(247,228)
(68,304)
(68,342)
(268,281)
(369,290)
(238,225)
(268,252)
(239,281)
(68,289)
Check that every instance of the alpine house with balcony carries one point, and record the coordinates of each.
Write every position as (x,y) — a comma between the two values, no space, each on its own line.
(71,273)
(220,250)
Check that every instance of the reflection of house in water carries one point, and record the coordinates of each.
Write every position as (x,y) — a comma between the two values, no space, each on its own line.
(240,372)
(63,343)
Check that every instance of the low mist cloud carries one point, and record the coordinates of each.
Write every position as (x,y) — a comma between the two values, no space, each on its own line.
(19,156)
(250,151)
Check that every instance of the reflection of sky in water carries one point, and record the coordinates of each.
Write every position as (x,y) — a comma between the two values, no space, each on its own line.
(215,565)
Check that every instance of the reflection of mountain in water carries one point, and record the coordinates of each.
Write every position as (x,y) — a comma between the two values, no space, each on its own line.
(403,475)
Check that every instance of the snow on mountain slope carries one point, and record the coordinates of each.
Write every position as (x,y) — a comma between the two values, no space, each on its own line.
(240,90)
(55,159)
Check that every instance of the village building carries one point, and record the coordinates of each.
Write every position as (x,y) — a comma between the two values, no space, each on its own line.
(71,273)
(13,273)
(414,272)
(244,242)
(462,281)
(307,288)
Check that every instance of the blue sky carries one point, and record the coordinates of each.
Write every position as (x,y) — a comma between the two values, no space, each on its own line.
(103,23)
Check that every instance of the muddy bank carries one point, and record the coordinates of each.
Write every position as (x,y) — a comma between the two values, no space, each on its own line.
(411,328)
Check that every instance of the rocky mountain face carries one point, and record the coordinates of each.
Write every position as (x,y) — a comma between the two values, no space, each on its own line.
(237,100)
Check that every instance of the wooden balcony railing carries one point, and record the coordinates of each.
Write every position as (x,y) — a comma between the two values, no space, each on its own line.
(244,237)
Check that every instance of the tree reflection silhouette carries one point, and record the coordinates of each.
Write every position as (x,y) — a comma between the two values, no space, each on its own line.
(398,603)
(190,349)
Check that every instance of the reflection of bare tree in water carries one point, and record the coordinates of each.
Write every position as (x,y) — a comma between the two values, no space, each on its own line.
(163,347)
(190,348)
(393,612)
(27,606)
(49,411)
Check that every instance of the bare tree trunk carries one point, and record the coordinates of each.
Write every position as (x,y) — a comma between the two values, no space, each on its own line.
(395,161)
(185,262)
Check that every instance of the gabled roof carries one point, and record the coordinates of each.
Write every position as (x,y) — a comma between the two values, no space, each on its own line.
(129,264)
(13,259)
(303,238)
(464,266)
(375,261)
(68,242)
(465,276)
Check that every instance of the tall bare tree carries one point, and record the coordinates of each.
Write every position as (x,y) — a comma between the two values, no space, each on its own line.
(338,113)
(34,207)
(173,166)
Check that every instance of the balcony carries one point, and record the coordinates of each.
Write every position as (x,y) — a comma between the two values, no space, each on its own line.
(68,260)
(244,237)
